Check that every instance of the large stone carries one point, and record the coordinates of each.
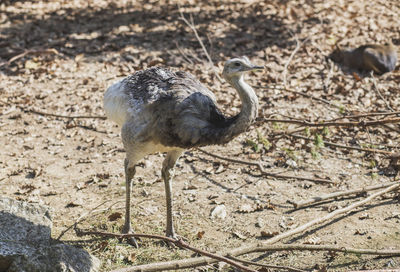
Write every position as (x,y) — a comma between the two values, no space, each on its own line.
(26,244)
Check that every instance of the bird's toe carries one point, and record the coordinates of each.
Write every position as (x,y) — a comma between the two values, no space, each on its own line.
(130,240)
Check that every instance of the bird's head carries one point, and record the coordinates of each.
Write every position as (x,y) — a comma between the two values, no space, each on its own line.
(237,66)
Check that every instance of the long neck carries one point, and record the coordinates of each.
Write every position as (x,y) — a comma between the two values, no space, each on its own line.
(249,108)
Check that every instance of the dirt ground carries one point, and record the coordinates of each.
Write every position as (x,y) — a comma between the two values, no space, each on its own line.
(75,165)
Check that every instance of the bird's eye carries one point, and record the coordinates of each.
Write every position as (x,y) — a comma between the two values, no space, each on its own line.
(237,64)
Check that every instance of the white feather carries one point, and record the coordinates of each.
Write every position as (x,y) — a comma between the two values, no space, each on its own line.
(116,103)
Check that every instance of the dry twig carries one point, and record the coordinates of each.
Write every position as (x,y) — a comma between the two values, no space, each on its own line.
(371,150)
(63,116)
(265,173)
(288,268)
(303,94)
(201,261)
(284,247)
(335,124)
(177,242)
(369,114)
(30,52)
(82,217)
(317,199)
(285,69)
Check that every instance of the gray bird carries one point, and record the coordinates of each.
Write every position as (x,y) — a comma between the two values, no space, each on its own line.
(164,111)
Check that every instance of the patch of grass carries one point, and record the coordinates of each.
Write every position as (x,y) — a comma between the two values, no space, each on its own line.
(264,141)
(253,145)
(326,132)
(318,141)
(291,154)
(307,132)
(342,110)
(374,175)
(276,126)
(259,144)
(315,154)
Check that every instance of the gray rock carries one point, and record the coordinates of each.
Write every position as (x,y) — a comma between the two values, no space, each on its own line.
(24,222)
(26,245)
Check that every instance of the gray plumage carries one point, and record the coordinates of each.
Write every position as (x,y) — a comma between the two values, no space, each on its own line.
(164,111)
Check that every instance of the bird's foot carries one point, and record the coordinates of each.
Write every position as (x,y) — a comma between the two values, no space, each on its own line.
(130,240)
(176,237)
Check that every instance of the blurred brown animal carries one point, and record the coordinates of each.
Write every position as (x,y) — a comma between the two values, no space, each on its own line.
(366,58)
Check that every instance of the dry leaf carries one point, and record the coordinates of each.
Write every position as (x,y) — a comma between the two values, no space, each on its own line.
(200,234)
(239,235)
(72,205)
(132,257)
(245,208)
(356,76)
(31,65)
(268,234)
(114,216)
(313,241)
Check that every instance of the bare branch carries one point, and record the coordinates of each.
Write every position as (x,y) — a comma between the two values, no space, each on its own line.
(335,124)
(265,173)
(369,114)
(30,52)
(64,116)
(304,94)
(284,247)
(200,261)
(260,247)
(317,199)
(288,268)
(177,242)
(371,150)
(82,217)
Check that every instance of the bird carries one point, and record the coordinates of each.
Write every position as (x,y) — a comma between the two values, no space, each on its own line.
(367,58)
(160,110)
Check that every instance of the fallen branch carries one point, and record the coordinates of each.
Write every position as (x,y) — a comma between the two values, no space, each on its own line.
(371,150)
(334,124)
(244,250)
(64,116)
(265,173)
(30,52)
(201,261)
(317,199)
(288,268)
(304,94)
(177,242)
(82,217)
(371,114)
(284,247)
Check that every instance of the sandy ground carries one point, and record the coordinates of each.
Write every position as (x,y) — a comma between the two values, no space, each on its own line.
(75,165)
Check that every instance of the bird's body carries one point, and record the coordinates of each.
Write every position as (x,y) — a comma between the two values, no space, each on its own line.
(171,109)
(370,57)
(164,111)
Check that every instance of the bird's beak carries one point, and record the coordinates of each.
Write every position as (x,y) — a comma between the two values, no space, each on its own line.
(256,67)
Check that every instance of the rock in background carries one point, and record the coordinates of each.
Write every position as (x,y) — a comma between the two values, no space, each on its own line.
(26,244)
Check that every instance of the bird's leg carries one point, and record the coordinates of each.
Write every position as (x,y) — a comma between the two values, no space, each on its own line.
(167,174)
(129,173)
